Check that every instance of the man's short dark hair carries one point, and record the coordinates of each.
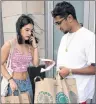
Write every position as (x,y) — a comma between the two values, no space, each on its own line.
(63,9)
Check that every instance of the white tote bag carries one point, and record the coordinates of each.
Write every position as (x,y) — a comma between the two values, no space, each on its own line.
(4,82)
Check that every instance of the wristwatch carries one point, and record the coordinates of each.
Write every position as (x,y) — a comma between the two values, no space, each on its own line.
(70,72)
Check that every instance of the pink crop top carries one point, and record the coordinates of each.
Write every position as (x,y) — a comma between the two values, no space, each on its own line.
(19,61)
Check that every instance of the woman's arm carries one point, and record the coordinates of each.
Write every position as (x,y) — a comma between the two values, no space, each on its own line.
(35,53)
(5,50)
(4,56)
(35,57)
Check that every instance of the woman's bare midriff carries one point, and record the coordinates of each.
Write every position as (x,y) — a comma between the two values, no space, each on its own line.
(20,75)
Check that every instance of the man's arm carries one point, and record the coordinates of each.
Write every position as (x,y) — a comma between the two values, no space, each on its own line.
(90,70)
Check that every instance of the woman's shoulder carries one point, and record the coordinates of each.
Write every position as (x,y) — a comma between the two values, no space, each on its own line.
(6,47)
(8,43)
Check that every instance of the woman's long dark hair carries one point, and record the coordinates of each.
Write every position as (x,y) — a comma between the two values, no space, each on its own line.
(21,22)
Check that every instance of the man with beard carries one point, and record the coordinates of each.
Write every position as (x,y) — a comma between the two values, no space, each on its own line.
(76,54)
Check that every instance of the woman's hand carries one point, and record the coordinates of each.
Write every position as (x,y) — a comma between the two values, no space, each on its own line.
(13,85)
(32,39)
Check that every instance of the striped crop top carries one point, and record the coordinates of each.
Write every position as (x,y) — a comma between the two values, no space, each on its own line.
(19,61)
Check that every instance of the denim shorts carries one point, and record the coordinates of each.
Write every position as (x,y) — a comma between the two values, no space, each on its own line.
(23,86)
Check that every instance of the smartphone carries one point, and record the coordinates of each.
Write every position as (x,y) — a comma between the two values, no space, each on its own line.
(36,39)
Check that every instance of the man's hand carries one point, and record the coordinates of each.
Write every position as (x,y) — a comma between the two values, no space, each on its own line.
(63,71)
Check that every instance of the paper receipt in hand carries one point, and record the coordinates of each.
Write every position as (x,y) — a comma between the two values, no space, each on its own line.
(49,67)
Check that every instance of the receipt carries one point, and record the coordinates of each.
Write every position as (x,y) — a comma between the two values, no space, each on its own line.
(49,67)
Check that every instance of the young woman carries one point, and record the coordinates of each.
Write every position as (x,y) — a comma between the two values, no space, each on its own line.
(25,52)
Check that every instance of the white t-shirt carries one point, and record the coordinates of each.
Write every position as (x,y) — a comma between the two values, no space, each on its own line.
(81,53)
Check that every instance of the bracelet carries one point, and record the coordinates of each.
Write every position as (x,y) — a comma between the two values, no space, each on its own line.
(35,47)
(10,79)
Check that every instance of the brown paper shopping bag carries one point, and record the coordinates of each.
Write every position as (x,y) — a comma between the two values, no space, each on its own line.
(44,91)
(72,89)
(10,100)
(25,98)
(62,94)
(22,98)
(66,91)
(57,90)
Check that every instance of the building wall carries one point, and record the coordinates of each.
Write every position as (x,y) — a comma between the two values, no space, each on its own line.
(36,8)
(10,14)
(11,10)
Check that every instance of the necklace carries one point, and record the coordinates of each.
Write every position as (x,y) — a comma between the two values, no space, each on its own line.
(68,43)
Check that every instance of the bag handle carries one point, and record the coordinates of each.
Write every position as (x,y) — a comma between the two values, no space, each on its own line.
(8,60)
(17,90)
(10,53)
(18,95)
(58,75)
(38,78)
(62,78)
